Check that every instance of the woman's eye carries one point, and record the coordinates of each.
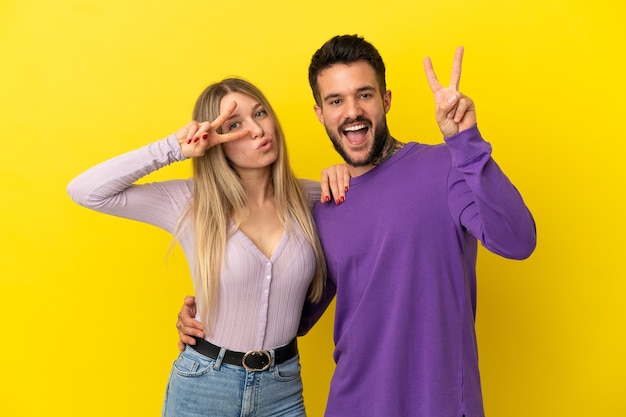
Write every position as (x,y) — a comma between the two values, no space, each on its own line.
(233,126)
(260,113)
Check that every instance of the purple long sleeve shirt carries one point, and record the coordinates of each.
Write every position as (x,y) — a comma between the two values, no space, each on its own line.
(401,253)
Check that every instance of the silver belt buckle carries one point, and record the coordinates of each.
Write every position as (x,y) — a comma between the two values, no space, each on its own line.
(256,353)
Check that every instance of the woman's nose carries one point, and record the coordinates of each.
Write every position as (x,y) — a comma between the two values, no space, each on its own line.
(256,131)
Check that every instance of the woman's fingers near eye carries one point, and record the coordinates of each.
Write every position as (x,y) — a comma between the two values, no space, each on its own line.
(200,135)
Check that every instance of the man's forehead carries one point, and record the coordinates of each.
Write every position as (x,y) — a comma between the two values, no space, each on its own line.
(342,77)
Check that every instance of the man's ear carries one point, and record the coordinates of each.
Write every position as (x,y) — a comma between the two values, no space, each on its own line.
(387,101)
(319,113)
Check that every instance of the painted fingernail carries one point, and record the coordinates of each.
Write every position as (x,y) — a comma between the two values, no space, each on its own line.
(205,135)
(342,199)
(346,189)
(188,141)
(327,198)
(196,139)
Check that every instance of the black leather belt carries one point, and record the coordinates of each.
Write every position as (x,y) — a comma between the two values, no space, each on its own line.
(255,360)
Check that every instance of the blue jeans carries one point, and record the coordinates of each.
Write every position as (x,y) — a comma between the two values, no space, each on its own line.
(200,386)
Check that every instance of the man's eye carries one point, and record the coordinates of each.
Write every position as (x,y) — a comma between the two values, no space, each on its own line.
(366,95)
(335,102)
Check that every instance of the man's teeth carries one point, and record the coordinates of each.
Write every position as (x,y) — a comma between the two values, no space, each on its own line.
(354,128)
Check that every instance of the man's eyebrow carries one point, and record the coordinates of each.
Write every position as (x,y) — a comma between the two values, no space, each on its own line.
(358,90)
(366,88)
(331,95)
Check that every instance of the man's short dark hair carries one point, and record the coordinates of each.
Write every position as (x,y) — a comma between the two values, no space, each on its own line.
(345,49)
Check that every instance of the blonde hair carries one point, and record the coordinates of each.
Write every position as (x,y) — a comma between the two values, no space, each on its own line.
(219,194)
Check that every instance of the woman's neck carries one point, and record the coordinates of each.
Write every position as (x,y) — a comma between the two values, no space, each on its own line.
(259,185)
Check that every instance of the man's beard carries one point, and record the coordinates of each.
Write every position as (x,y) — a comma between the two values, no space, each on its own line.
(375,153)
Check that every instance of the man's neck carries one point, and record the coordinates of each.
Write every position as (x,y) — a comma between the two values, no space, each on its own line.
(392,146)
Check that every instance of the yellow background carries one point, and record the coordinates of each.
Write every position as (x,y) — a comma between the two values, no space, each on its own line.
(88,302)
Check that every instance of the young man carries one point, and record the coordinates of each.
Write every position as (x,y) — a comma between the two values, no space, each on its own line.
(401,250)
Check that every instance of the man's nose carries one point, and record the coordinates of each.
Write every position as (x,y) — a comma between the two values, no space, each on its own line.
(353,109)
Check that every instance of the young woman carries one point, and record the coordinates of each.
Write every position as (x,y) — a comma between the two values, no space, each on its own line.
(244,222)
